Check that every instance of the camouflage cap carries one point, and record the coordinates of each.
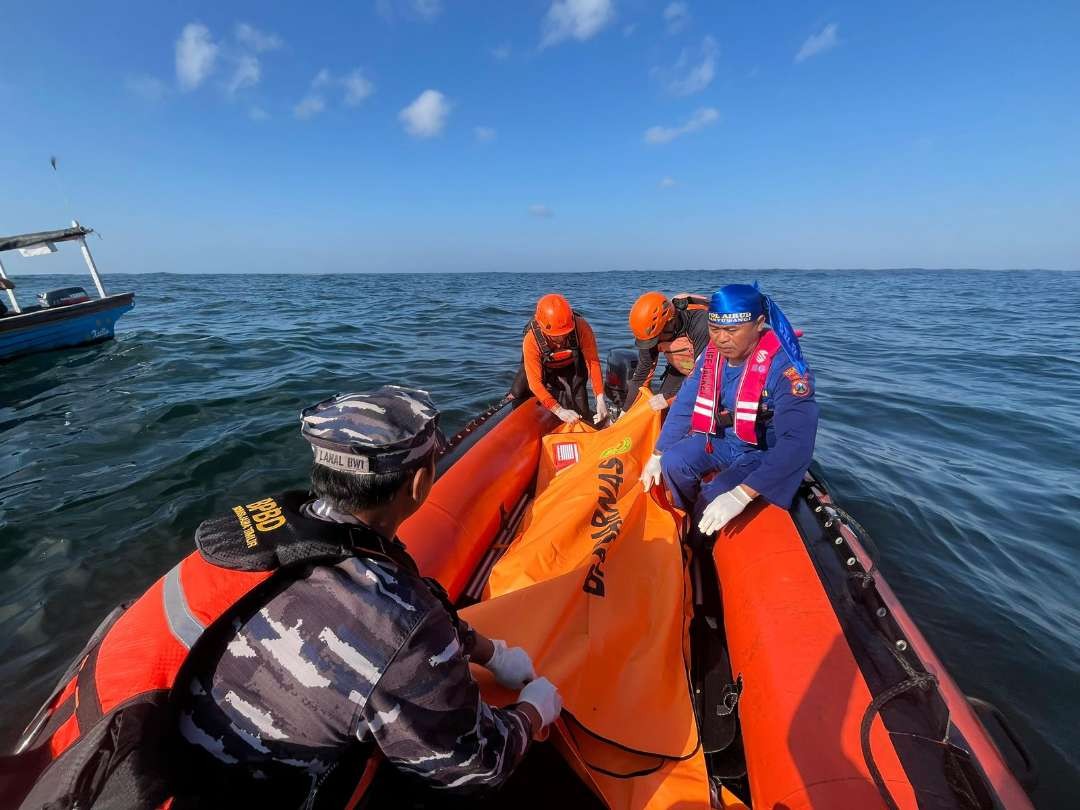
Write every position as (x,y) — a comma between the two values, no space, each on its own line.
(382,431)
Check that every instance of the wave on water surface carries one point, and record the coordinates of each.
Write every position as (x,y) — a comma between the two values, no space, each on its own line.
(950,433)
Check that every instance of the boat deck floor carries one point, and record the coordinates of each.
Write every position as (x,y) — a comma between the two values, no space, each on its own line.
(543,780)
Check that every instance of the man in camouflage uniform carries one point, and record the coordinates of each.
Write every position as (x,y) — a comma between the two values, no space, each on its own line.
(365,649)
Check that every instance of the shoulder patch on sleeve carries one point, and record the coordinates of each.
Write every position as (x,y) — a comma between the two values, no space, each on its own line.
(800,383)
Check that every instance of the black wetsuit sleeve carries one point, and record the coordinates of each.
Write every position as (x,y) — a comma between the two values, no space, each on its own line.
(643,372)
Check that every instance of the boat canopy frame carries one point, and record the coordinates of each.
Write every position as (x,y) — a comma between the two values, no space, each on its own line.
(76,233)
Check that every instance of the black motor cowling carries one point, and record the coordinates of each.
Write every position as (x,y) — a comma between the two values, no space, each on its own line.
(63,297)
(620,366)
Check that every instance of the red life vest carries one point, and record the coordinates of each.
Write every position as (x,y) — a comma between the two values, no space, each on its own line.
(103,731)
(747,395)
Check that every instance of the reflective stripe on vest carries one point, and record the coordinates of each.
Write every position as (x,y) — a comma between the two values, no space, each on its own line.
(184,626)
(747,395)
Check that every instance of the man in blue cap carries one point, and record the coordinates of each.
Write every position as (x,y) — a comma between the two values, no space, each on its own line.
(747,414)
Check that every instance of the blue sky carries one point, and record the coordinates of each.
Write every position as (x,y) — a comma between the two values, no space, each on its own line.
(536,135)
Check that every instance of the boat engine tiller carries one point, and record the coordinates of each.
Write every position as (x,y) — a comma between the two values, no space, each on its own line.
(620,366)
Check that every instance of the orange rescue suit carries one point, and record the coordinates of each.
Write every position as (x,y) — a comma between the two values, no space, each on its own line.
(534,361)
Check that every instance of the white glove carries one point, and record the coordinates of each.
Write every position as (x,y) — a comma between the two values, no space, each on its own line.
(566,415)
(650,473)
(658,402)
(511,666)
(601,410)
(543,696)
(723,509)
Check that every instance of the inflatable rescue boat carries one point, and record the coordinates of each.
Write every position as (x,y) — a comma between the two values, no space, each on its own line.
(770,666)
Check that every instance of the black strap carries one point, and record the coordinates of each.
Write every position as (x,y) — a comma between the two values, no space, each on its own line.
(546,350)
(683,302)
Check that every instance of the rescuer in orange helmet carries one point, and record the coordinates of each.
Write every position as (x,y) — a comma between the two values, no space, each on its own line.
(559,355)
(678,327)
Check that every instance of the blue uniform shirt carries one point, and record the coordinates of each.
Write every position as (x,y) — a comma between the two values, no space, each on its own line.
(776,464)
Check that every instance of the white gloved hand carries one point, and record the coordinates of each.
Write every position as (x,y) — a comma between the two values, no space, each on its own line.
(601,409)
(650,473)
(543,696)
(566,415)
(511,666)
(723,509)
(658,402)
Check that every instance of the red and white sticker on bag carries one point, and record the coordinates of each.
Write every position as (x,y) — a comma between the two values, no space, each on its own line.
(566,454)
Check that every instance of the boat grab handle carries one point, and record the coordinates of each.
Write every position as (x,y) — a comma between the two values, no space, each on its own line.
(1023,764)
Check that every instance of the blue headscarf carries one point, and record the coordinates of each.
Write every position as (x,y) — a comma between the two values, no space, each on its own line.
(736,304)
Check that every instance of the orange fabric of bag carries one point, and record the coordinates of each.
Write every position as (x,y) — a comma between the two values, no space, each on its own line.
(594,587)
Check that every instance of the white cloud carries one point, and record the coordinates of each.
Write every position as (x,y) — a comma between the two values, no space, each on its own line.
(501,52)
(247,73)
(818,43)
(688,75)
(575,19)
(668,182)
(258,114)
(426,116)
(257,40)
(357,88)
(541,211)
(425,10)
(676,17)
(484,134)
(198,56)
(196,53)
(702,118)
(309,107)
(148,88)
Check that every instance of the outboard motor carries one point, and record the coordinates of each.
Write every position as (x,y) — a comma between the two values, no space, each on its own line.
(62,297)
(620,367)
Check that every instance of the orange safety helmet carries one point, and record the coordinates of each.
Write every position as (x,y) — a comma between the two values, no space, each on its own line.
(648,317)
(554,315)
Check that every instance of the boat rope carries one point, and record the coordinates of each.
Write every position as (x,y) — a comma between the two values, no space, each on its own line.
(864,578)
(476,422)
(837,514)
(915,680)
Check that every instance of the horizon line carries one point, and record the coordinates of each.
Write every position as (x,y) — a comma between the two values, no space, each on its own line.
(565,272)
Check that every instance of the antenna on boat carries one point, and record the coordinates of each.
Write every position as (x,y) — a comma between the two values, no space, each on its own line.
(60,184)
(87,257)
